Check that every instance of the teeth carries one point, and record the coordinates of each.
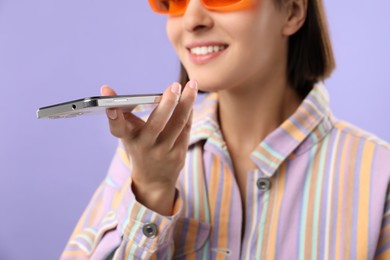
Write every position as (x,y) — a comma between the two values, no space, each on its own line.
(206,49)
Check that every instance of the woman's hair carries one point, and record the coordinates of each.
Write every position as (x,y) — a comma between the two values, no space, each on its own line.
(310,53)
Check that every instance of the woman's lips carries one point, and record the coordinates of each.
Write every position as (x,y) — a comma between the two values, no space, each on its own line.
(201,53)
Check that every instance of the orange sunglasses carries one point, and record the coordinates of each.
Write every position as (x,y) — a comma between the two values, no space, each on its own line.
(178,7)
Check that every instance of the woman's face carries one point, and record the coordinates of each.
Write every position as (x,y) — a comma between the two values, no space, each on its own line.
(223,50)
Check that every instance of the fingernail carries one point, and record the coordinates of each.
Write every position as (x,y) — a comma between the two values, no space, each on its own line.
(176,88)
(103,88)
(112,114)
(193,84)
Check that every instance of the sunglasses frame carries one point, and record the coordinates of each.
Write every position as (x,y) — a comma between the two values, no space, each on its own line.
(240,5)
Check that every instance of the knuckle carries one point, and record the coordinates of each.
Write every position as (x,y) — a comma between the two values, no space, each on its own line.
(155,156)
(159,155)
(178,155)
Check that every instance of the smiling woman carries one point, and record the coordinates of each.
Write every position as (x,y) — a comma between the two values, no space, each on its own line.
(305,65)
(50,169)
(260,168)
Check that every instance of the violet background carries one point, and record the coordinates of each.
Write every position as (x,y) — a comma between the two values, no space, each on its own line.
(55,50)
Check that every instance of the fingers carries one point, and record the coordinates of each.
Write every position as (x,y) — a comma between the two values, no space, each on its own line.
(169,124)
(107,91)
(122,125)
(181,118)
(184,138)
(160,116)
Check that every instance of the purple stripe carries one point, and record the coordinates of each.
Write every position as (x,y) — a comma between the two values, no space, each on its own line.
(279,234)
(329,141)
(355,206)
(235,224)
(250,208)
(288,237)
(185,223)
(294,120)
(334,203)
(306,171)
(281,141)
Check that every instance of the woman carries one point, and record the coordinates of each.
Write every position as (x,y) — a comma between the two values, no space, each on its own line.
(260,168)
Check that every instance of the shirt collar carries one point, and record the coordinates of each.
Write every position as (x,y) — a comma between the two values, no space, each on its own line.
(305,127)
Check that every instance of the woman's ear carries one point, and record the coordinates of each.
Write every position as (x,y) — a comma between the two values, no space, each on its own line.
(296,11)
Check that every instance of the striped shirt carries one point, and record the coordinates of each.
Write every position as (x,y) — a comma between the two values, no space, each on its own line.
(320,191)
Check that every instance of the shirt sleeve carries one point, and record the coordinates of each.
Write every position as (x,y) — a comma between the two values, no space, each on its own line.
(383,247)
(116,224)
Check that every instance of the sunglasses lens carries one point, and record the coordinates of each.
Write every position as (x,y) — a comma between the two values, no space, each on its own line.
(169,6)
(220,3)
(178,7)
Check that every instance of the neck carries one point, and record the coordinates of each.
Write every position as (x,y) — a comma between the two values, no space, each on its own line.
(248,115)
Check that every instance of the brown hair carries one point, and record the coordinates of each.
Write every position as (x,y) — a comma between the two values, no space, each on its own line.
(310,53)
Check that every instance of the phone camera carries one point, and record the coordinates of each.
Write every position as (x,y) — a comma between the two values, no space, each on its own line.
(73,106)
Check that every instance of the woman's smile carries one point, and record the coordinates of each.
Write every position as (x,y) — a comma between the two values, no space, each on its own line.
(204,52)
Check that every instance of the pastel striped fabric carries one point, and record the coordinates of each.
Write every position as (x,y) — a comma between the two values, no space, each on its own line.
(329,197)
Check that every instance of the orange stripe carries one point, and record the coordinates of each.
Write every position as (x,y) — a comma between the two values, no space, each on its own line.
(364,193)
(201,182)
(191,235)
(281,182)
(293,131)
(223,230)
(342,171)
(349,189)
(127,250)
(213,191)
(266,225)
(305,119)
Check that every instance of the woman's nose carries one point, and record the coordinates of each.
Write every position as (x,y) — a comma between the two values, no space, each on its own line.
(197,17)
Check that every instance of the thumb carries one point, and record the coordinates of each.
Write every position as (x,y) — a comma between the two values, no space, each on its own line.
(107,91)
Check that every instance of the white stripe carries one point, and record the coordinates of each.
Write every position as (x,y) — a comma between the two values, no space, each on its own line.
(253,224)
(330,187)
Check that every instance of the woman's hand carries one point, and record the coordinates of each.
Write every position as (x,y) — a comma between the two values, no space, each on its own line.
(158,146)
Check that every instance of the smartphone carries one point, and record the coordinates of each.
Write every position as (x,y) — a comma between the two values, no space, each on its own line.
(95,105)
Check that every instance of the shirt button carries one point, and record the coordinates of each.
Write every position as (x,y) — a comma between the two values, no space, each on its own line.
(150,230)
(263,184)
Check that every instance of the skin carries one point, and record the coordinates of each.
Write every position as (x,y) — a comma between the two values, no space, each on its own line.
(256,36)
